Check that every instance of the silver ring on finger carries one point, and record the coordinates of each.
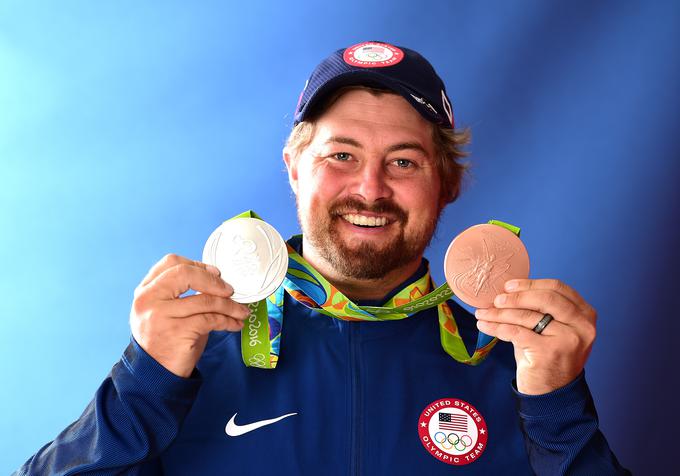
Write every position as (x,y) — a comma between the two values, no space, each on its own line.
(543,323)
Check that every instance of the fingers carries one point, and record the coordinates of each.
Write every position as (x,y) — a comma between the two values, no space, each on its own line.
(174,329)
(178,279)
(519,336)
(210,321)
(518,317)
(549,360)
(541,301)
(204,304)
(170,260)
(555,285)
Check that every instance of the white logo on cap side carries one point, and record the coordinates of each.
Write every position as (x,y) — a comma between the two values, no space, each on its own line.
(447,107)
(424,103)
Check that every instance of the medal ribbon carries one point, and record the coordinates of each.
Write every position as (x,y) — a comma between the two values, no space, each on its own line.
(261,335)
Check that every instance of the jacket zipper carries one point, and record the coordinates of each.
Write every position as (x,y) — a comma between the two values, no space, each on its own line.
(357,410)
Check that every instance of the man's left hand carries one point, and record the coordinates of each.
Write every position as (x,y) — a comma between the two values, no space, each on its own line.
(555,357)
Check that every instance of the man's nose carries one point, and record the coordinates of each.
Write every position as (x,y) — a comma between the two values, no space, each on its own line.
(373,183)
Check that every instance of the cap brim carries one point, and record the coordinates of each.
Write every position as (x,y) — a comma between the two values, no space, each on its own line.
(365,78)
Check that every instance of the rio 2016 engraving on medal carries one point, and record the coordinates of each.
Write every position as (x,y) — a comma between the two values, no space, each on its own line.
(251,256)
(453,431)
(480,260)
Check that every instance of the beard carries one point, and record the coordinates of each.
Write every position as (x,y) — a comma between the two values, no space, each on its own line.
(366,259)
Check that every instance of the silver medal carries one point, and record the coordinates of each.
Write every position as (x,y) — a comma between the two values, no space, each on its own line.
(251,256)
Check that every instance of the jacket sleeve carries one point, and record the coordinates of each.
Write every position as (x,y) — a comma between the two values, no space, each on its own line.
(561,433)
(135,414)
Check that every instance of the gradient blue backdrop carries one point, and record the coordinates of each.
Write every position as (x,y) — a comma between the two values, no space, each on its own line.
(132,129)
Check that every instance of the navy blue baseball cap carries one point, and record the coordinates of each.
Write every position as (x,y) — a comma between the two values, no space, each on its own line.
(382,65)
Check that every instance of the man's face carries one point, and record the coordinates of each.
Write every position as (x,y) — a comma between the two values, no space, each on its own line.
(367,186)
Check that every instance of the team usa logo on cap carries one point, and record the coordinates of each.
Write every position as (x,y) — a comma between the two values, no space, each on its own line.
(372,54)
(453,431)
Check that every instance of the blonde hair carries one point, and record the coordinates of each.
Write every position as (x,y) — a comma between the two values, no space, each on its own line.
(448,143)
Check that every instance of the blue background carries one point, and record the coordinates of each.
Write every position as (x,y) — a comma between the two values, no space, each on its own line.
(132,129)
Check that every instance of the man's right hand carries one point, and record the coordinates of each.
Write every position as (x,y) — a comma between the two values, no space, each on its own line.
(174,329)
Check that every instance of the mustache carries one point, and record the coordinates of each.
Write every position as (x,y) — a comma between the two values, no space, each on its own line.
(381,207)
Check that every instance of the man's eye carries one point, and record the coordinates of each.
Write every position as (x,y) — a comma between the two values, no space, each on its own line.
(344,156)
(403,163)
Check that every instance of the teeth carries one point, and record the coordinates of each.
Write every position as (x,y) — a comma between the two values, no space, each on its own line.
(365,221)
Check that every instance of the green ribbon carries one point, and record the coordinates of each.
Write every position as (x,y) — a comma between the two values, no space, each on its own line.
(261,334)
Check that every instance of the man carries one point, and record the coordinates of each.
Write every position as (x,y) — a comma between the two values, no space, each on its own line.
(372,160)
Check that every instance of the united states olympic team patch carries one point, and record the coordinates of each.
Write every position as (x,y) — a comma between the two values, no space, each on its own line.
(372,55)
(453,431)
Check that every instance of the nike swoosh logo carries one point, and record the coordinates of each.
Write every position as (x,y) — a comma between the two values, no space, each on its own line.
(232,429)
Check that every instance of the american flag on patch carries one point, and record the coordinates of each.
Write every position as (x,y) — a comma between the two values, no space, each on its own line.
(453,422)
(373,49)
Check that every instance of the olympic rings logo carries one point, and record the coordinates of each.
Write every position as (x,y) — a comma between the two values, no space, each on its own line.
(257,360)
(458,442)
(375,56)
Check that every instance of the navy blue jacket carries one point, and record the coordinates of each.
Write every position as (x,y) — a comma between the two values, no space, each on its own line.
(357,388)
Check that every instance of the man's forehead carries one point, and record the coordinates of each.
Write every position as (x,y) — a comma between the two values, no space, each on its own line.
(364,113)
(363,101)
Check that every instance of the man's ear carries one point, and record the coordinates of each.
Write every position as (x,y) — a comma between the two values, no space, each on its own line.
(291,164)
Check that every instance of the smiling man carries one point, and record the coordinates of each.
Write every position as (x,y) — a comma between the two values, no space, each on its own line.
(368,191)
(363,383)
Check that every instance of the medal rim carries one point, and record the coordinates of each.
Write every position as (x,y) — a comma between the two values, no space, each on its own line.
(209,256)
(473,301)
